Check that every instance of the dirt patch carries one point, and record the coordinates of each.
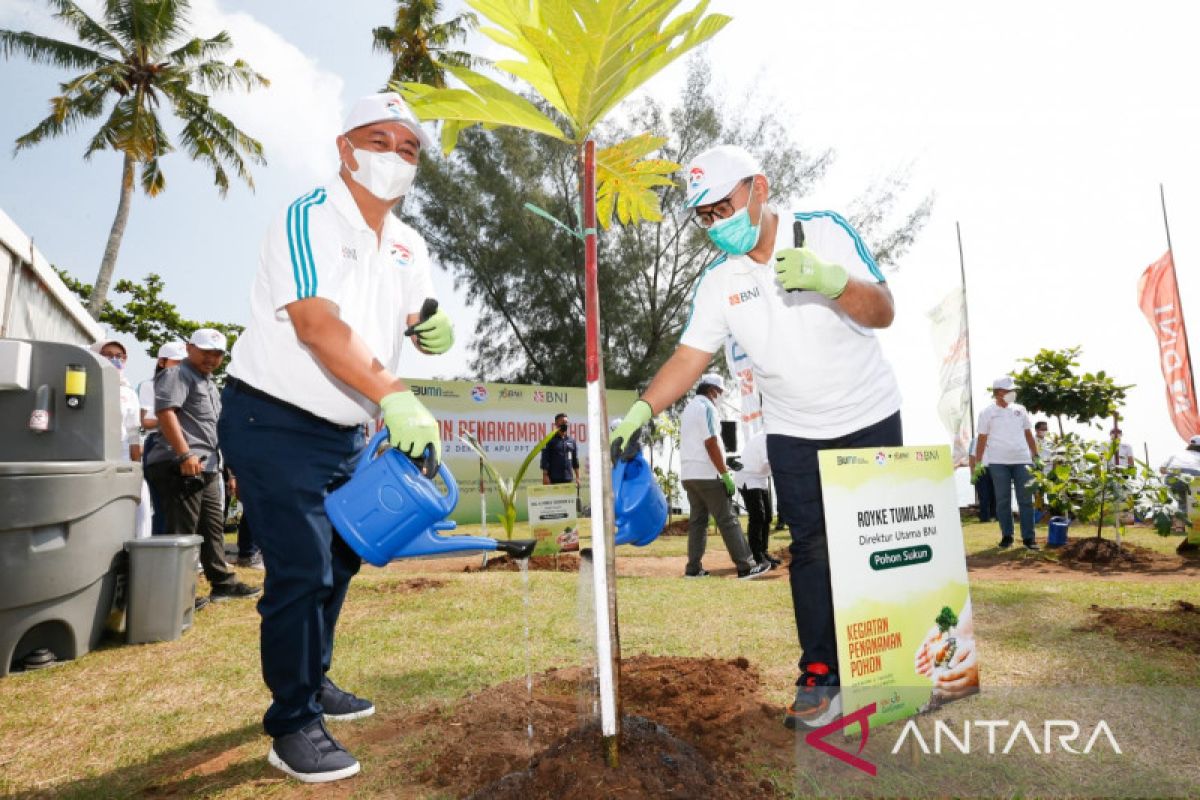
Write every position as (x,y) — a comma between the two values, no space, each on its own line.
(1096,551)
(1177,627)
(1081,559)
(678,527)
(701,718)
(653,763)
(561,562)
(405,586)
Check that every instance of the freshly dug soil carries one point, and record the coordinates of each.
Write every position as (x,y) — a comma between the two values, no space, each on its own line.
(1105,552)
(678,527)
(561,562)
(698,720)
(405,586)
(653,763)
(1176,628)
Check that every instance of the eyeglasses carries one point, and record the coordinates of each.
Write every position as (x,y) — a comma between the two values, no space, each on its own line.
(722,209)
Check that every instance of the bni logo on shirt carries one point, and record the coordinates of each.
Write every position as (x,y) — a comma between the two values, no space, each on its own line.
(401,255)
(740,297)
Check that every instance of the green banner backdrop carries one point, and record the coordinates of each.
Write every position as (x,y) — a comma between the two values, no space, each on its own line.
(508,419)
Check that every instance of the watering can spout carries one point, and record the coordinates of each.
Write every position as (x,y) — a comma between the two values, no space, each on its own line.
(517,548)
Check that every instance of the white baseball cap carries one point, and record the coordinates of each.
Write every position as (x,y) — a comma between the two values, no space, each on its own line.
(208,339)
(176,351)
(713,174)
(1004,383)
(385,107)
(711,379)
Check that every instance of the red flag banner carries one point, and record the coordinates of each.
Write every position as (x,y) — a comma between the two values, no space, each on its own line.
(1158,296)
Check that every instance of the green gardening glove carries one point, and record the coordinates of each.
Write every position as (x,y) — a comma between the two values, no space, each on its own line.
(624,439)
(412,429)
(977,474)
(727,479)
(436,334)
(798,268)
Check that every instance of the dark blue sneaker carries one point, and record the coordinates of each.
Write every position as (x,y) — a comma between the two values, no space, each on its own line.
(818,698)
(341,705)
(311,755)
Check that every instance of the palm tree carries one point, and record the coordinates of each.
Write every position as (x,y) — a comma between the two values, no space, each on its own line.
(138,56)
(419,44)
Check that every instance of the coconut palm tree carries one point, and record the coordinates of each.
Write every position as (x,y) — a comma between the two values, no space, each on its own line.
(417,42)
(137,56)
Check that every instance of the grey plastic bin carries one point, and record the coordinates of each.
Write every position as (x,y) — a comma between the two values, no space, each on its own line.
(162,587)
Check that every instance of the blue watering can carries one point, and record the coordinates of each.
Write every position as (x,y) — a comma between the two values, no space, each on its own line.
(638,502)
(389,509)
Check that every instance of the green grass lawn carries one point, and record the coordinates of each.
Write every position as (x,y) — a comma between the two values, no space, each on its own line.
(121,720)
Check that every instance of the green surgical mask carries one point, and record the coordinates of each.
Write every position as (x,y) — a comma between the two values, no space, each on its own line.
(736,235)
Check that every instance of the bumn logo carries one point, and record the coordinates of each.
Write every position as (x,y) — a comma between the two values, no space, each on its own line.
(862,716)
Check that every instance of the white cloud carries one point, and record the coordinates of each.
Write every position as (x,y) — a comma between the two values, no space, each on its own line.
(298,116)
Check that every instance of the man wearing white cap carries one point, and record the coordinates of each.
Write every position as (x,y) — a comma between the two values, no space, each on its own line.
(1005,444)
(801,295)
(709,483)
(184,465)
(169,355)
(341,283)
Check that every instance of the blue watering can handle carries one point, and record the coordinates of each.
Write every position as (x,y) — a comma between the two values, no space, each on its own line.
(451,499)
(372,451)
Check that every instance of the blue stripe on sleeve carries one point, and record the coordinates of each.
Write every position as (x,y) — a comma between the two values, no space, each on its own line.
(304,270)
(859,245)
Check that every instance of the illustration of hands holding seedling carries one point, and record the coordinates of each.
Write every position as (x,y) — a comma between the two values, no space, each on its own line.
(948,656)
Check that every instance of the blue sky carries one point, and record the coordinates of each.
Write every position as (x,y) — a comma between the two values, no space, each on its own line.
(1044,129)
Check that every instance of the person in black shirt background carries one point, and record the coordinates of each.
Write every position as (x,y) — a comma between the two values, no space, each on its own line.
(560,458)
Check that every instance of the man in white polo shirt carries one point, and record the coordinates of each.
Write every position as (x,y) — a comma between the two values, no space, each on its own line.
(339,281)
(709,483)
(806,317)
(1006,446)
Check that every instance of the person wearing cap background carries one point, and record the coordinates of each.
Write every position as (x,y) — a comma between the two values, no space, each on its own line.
(1005,445)
(184,465)
(805,316)
(169,355)
(115,354)
(341,283)
(709,483)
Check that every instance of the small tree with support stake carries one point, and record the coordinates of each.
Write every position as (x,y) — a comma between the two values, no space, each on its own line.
(582,57)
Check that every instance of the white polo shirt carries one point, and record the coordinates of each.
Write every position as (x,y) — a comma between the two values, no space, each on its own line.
(755,467)
(698,423)
(821,374)
(322,247)
(1005,429)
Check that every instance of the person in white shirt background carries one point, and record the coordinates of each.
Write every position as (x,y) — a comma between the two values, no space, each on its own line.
(753,476)
(115,354)
(709,483)
(1007,447)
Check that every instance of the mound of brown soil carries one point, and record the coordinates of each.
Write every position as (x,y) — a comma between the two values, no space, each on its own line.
(1177,628)
(704,716)
(653,763)
(677,527)
(560,562)
(1105,552)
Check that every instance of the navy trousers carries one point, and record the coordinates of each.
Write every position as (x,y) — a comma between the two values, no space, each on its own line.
(798,484)
(286,461)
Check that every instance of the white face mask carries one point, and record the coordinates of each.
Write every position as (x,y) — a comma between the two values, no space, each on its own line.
(385,175)
(1010,397)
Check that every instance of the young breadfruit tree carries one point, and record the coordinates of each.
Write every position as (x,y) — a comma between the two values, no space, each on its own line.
(582,57)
